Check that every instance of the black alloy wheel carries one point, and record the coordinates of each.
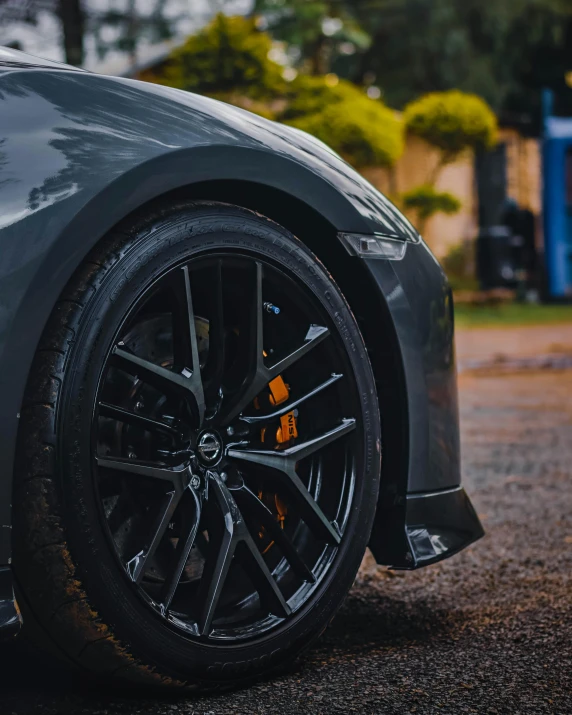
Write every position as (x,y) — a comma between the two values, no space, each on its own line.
(218,442)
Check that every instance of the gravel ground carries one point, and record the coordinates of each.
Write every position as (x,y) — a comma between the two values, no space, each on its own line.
(488,631)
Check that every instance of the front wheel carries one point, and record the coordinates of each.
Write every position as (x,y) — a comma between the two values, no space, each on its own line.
(199,453)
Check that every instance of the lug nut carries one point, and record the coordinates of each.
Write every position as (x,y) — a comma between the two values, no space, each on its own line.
(230,431)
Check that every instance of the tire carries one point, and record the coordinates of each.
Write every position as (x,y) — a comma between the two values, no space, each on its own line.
(78,509)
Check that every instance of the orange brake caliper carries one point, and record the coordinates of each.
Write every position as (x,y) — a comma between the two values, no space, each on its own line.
(279,393)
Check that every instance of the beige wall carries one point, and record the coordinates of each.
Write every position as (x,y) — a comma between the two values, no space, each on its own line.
(415,166)
(524,170)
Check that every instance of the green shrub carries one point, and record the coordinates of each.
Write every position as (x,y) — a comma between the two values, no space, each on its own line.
(228,60)
(228,55)
(459,265)
(452,121)
(427,201)
(308,94)
(362,130)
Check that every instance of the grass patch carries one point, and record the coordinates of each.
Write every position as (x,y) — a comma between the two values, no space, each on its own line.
(509,314)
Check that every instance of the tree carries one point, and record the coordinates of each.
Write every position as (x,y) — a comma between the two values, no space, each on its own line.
(133,21)
(130,20)
(227,56)
(504,51)
(453,123)
(69,12)
(318,32)
(72,17)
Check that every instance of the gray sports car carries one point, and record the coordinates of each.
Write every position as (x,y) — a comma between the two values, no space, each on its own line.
(226,367)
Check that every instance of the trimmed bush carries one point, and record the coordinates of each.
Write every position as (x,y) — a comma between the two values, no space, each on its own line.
(427,201)
(309,94)
(453,122)
(362,130)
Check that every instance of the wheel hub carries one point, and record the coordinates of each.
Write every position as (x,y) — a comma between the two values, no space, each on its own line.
(209,448)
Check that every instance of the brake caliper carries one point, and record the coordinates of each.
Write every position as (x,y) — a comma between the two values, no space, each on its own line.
(279,393)
(288,430)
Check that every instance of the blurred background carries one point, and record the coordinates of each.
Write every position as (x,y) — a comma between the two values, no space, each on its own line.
(455,109)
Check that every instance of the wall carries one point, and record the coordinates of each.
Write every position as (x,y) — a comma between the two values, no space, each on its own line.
(415,166)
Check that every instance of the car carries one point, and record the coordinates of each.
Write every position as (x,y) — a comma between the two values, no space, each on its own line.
(227,367)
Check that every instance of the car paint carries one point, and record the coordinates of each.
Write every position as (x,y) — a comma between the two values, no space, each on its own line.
(78,152)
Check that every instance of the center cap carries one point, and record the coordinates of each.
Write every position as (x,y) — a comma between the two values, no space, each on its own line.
(209,448)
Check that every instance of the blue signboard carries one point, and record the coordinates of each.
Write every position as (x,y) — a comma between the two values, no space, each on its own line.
(557,170)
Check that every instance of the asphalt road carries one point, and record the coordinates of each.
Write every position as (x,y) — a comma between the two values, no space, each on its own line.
(489,631)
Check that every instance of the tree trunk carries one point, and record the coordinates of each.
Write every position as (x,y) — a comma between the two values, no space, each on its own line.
(73,23)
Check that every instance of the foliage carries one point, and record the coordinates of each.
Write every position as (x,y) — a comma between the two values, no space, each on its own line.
(317,31)
(362,130)
(228,60)
(504,51)
(263,107)
(427,201)
(308,95)
(453,122)
(228,55)
(123,26)
(459,265)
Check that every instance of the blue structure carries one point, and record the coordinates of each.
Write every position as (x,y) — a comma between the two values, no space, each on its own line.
(557,170)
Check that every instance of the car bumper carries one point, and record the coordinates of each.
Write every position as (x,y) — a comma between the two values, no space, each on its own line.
(424,514)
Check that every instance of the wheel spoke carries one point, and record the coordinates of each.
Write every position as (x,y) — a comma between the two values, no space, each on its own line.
(185,345)
(257,374)
(293,404)
(214,369)
(235,539)
(250,503)
(255,566)
(315,335)
(183,550)
(135,420)
(178,476)
(167,381)
(217,563)
(137,565)
(284,462)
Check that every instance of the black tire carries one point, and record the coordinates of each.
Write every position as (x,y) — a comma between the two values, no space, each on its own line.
(73,590)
